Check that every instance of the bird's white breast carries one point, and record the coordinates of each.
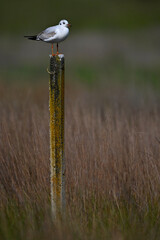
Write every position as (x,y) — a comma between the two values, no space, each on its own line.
(61,34)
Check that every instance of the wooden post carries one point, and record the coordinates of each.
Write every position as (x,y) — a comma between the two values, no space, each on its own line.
(56,107)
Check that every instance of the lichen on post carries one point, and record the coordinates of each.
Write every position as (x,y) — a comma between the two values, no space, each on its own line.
(56,107)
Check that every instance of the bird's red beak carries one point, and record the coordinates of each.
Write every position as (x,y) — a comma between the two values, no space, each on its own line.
(69,25)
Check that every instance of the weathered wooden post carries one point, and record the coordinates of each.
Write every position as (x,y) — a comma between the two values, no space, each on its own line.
(56,107)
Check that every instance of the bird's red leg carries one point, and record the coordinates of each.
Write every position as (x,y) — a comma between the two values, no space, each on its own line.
(52,50)
(57,49)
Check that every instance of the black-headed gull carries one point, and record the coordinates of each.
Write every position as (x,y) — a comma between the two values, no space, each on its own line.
(53,34)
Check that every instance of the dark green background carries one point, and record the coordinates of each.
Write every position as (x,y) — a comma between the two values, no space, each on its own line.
(21,16)
(109,40)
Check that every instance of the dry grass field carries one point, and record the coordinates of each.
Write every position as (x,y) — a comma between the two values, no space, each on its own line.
(112,144)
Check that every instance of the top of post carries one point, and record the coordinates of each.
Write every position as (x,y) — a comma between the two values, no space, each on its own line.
(56,61)
(57,57)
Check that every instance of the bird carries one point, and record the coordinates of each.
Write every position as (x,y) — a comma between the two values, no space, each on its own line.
(54,34)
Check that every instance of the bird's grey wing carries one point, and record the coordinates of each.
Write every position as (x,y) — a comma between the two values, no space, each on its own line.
(47,34)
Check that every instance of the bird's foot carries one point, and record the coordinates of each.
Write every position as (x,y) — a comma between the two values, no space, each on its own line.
(53,54)
(57,53)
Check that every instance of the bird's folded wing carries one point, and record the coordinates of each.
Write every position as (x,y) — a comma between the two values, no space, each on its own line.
(46,35)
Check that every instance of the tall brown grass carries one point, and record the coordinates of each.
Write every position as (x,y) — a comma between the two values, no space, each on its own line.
(112,151)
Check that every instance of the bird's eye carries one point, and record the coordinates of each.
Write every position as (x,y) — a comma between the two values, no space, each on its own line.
(63,22)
